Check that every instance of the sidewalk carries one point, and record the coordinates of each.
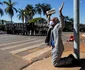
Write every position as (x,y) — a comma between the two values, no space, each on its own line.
(11,62)
(46,64)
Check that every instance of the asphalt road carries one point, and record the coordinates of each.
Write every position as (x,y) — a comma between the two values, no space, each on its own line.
(18,44)
(14,47)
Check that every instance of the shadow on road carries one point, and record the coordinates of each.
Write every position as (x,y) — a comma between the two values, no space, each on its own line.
(81,65)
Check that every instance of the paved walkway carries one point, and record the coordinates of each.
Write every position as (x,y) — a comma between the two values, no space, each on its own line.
(11,62)
(46,64)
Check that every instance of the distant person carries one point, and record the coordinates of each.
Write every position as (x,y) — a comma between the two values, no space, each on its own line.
(55,40)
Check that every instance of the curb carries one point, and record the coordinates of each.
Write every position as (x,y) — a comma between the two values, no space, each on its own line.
(41,54)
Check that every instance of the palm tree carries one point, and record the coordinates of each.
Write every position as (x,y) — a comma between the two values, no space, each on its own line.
(30,11)
(21,14)
(42,8)
(1,11)
(38,8)
(45,7)
(10,8)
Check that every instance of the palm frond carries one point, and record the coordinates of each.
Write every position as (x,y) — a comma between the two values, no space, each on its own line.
(10,8)
(6,10)
(21,14)
(30,10)
(15,9)
(14,3)
(7,3)
(10,1)
(1,3)
(1,12)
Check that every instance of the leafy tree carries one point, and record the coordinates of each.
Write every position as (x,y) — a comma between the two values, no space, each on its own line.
(35,20)
(10,8)
(71,20)
(68,23)
(68,19)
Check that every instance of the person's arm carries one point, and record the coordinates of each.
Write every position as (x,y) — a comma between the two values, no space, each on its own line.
(62,22)
(60,9)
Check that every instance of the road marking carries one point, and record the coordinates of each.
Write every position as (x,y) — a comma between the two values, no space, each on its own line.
(5,44)
(8,36)
(27,43)
(26,48)
(38,54)
(11,39)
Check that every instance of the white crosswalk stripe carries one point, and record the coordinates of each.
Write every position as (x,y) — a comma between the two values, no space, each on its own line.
(5,48)
(20,41)
(9,36)
(26,48)
(17,44)
(4,44)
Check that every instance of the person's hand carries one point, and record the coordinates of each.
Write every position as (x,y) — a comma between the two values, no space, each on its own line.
(61,7)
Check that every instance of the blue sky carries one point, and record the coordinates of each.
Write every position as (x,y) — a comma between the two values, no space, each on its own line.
(67,10)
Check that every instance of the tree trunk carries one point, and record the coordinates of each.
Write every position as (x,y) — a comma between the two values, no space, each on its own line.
(11,19)
(22,19)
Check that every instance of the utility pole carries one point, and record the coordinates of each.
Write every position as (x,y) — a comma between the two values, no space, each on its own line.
(76,29)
